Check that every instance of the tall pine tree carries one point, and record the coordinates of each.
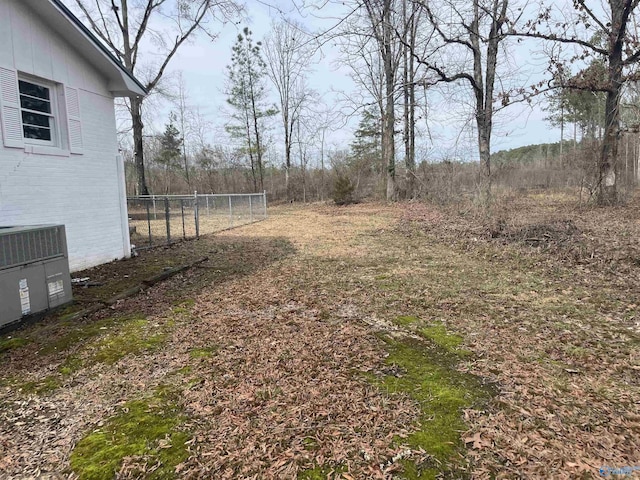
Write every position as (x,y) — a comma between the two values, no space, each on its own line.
(366,147)
(169,156)
(247,94)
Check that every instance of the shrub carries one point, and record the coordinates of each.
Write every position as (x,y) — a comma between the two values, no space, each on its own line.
(343,190)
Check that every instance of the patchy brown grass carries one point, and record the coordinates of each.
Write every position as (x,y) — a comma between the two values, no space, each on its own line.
(333,341)
(554,323)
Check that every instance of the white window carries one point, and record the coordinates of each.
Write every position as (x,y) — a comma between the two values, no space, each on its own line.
(38,111)
(39,115)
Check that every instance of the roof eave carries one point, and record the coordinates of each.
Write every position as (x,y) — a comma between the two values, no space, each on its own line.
(122,83)
(125,87)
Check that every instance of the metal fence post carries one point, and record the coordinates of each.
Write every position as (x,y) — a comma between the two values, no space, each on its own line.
(166,216)
(196,213)
(155,213)
(264,199)
(208,205)
(230,213)
(149,222)
(184,232)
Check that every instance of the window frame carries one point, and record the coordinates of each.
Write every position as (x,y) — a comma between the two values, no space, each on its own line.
(54,116)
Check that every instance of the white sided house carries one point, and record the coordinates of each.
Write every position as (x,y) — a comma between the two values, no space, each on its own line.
(59,161)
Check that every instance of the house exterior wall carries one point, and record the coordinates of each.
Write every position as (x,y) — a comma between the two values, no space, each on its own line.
(54,186)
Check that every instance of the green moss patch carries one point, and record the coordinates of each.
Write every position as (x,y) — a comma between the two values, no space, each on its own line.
(310,443)
(76,333)
(407,320)
(41,387)
(71,365)
(134,338)
(187,303)
(438,334)
(147,429)
(434,332)
(183,306)
(202,352)
(126,328)
(131,335)
(430,378)
(186,370)
(10,343)
(415,472)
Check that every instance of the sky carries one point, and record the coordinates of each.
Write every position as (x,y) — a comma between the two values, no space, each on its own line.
(202,65)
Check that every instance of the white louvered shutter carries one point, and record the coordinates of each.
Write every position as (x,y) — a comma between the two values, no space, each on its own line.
(10,109)
(73,120)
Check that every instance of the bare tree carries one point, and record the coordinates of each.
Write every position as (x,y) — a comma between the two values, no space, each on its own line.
(126,26)
(382,18)
(186,122)
(288,57)
(606,31)
(477,32)
(374,53)
(363,58)
(325,120)
(411,22)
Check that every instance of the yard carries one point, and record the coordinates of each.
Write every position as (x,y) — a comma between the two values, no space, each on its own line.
(369,341)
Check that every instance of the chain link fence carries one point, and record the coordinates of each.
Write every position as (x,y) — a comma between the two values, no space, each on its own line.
(163,219)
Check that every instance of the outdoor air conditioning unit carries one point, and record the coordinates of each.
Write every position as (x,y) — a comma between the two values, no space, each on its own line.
(34,271)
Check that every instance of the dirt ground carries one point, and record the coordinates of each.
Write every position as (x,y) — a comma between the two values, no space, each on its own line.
(368,341)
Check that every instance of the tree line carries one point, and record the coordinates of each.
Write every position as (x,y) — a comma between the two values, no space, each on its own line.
(399,53)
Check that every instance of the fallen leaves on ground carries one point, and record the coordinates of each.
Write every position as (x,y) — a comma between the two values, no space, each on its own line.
(547,308)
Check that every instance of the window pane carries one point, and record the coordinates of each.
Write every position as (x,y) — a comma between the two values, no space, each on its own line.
(35,119)
(34,90)
(35,104)
(37,133)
